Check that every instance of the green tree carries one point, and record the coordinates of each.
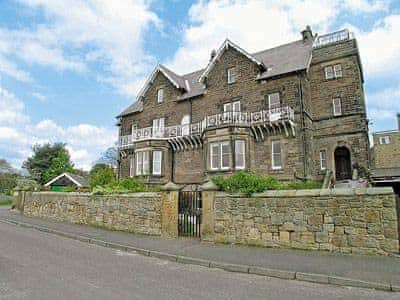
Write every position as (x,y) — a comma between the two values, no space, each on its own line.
(47,161)
(5,166)
(60,164)
(8,176)
(101,175)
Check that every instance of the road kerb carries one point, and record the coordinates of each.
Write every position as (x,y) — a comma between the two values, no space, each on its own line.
(282,274)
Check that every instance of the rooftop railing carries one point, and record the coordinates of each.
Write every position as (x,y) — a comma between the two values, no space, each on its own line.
(332,38)
(213,121)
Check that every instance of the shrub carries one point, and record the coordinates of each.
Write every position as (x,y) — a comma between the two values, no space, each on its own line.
(102,177)
(124,186)
(249,183)
(303,185)
(246,182)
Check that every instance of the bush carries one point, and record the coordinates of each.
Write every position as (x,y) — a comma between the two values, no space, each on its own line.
(102,177)
(249,183)
(303,185)
(246,182)
(124,186)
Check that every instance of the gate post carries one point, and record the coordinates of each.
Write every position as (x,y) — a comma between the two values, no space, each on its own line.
(169,210)
(207,217)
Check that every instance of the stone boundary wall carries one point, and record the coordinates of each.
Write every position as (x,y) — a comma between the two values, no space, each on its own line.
(360,221)
(138,213)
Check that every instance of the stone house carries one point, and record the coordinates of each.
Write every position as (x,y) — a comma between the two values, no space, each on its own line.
(293,111)
(386,158)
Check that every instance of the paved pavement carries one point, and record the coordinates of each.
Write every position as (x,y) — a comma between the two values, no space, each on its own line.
(383,270)
(39,265)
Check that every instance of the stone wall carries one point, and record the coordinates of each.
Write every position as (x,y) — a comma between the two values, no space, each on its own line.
(360,221)
(138,213)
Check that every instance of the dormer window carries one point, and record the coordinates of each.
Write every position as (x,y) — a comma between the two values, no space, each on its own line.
(231,75)
(160,95)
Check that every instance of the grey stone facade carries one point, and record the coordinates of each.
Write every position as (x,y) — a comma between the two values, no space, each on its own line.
(313,127)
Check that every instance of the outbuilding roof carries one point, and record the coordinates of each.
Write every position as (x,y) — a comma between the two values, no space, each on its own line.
(76,179)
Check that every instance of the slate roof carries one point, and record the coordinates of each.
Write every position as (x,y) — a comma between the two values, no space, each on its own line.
(280,60)
(77,179)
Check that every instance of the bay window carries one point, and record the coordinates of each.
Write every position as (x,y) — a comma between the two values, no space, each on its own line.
(157,159)
(240,154)
(142,163)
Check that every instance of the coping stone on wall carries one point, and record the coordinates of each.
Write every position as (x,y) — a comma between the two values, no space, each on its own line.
(380,191)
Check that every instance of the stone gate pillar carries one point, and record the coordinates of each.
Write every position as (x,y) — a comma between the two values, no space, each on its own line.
(207,218)
(169,210)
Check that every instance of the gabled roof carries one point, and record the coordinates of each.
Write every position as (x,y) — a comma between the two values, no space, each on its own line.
(78,180)
(225,46)
(276,61)
(175,79)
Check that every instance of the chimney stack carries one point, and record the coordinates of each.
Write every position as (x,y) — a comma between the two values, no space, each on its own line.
(307,33)
(212,55)
(398,121)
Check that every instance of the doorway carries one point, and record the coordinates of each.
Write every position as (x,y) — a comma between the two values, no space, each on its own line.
(342,163)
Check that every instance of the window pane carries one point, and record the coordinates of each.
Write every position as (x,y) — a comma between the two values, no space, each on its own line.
(276,155)
(214,156)
(231,75)
(225,155)
(328,72)
(322,157)
(131,166)
(338,70)
(239,154)
(227,107)
(236,106)
(139,163)
(160,95)
(273,101)
(157,158)
(145,163)
(337,106)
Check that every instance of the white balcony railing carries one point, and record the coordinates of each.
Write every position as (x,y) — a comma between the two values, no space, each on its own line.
(213,121)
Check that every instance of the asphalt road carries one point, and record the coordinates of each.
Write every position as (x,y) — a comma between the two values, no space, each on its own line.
(37,265)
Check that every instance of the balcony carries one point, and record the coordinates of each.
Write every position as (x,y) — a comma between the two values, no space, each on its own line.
(333,38)
(261,123)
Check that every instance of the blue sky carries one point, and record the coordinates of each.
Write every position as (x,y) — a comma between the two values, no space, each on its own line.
(66,70)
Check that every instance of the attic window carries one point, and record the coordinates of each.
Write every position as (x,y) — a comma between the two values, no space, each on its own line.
(231,75)
(160,95)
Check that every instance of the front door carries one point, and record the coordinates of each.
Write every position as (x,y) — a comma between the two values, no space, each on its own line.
(342,163)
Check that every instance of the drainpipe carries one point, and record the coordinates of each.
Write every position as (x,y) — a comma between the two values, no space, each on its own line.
(303,129)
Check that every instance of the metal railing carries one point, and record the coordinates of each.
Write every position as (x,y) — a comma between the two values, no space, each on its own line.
(213,121)
(332,38)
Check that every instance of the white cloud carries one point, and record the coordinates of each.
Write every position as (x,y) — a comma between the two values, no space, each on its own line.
(380,47)
(100,33)
(10,69)
(39,96)
(17,134)
(365,6)
(11,109)
(255,25)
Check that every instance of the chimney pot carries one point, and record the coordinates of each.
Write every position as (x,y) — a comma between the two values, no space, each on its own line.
(307,33)
(212,55)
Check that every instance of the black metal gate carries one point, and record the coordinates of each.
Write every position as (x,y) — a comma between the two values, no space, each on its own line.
(189,213)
